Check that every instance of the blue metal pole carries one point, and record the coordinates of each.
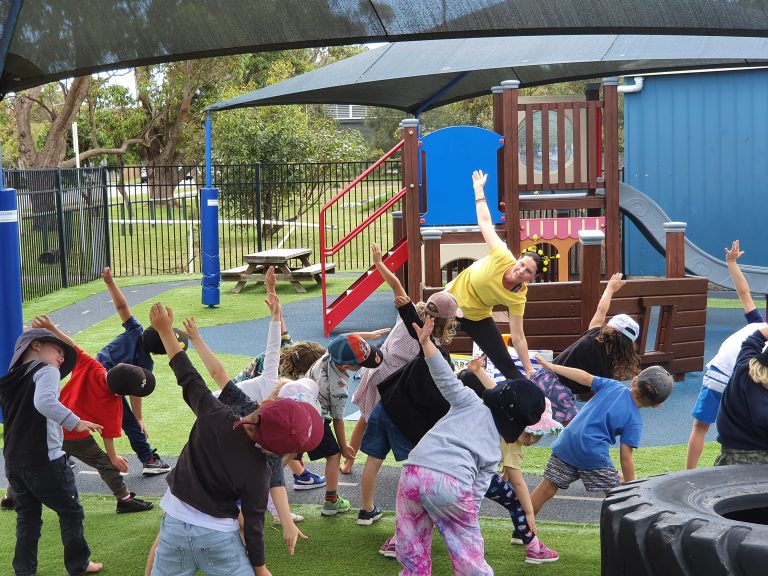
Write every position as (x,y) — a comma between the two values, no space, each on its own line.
(209,226)
(11,319)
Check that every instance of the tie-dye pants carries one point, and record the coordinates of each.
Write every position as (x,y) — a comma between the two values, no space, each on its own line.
(427,498)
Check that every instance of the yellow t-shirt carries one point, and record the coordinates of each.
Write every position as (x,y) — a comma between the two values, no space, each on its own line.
(480,287)
(512,455)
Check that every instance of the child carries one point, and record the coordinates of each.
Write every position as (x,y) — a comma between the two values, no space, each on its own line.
(450,469)
(606,350)
(223,462)
(581,451)
(134,346)
(510,490)
(345,352)
(742,422)
(97,394)
(35,463)
(720,368)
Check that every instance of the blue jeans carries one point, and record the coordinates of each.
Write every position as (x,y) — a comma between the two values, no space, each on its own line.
(52,484)
(184,549)
(135,435)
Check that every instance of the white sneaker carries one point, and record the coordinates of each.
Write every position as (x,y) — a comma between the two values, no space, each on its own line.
(296,518)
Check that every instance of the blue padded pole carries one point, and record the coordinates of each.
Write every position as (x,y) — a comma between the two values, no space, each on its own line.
(11,322)
(209,226)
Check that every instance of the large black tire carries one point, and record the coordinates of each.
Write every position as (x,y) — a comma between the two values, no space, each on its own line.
(675,524)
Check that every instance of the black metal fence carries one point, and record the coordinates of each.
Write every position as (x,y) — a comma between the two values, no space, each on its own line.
(145,220)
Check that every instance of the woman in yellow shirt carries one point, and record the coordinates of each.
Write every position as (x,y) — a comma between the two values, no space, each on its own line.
(498,278)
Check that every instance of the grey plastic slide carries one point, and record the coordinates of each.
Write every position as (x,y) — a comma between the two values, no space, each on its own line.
(649,219)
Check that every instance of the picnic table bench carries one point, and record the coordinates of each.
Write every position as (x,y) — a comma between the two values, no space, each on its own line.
(257,264)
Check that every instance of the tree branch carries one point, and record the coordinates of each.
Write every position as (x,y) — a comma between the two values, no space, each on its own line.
(97,151)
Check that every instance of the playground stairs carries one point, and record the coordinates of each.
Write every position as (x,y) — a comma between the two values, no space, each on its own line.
(364,286)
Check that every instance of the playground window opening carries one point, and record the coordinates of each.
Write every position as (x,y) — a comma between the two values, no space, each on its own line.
(553,152)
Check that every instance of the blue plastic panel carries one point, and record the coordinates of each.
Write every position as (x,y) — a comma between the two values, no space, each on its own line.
(452,154)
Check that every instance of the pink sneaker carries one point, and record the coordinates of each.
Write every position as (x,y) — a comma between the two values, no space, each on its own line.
(543,554)
(388,548)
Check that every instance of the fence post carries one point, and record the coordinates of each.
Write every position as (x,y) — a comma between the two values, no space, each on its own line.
(591,244)
(412,212)
(611,175)
(62,239)
(257,166)
(675,251)
(511,164)
(107,239)
(398,231)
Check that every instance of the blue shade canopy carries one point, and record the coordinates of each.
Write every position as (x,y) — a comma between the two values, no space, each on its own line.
(420,75)
(45,40)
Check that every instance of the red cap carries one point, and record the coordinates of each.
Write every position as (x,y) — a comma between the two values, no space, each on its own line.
(286,426)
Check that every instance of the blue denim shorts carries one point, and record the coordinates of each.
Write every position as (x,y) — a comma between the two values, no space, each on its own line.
(185,548)
(381,436)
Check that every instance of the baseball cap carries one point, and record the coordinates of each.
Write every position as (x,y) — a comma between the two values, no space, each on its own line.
(442,305)
(354,350)
(286,426)
(659,380)
(624,324)
(305,386)
(44,335)
(153,344)
(546,424)
(129,380)
(514,404)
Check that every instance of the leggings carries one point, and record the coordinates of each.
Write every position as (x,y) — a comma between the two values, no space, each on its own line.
(487,335)
(502,492)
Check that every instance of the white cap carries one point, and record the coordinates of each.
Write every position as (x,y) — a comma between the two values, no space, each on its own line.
(624,324)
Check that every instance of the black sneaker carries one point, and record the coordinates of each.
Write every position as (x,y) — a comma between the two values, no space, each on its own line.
(6,503)
(133,504)
(366,518)
(155,465)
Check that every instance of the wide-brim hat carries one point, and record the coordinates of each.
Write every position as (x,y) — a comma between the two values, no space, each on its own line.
(44,335)
(514,404)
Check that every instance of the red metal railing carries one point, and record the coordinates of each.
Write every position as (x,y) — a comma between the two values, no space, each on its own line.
(327,251)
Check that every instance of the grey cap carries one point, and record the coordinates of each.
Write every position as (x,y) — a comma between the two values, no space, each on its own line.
(659,380)
(44,335)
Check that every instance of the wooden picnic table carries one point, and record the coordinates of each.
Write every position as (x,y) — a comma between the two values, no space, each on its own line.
(258,263)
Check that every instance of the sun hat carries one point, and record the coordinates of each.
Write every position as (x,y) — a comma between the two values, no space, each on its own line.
(286,427)
(624,324)
(514,404)
(129,380)
(353,350)
(44,335)
(659,380)
(442,305)
(547,424)
(153,344)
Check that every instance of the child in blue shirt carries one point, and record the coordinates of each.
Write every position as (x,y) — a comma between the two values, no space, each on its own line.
(581,451)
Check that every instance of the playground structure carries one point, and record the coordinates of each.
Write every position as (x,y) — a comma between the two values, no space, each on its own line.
(556,165)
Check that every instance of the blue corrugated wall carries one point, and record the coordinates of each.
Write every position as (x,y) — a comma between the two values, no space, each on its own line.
(698,145)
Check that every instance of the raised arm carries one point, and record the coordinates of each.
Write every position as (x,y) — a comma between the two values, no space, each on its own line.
(614,285)
(578,376)
(484,221)
(118,298)
(375,335)
(161,318)
(739,281)
(45,322)
(477,367)
(386,273)
(212,363)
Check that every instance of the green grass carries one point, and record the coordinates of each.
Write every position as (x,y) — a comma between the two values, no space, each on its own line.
(336,544)
(725,303)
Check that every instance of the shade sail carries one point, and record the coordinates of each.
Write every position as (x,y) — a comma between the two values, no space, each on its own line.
(427,74)
(44,40)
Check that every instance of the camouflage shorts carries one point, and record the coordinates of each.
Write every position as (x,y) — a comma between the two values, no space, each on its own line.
(732,456)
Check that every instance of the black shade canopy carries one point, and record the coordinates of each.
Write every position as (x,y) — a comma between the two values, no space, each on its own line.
(44,40)
(420,75)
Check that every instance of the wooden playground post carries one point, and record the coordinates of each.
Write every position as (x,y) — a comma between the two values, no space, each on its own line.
(432,271)
(591,256)
(675,251)
(411,206)
(611,175)
(511,165)
(498,127)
